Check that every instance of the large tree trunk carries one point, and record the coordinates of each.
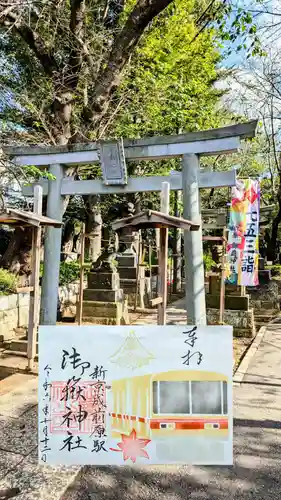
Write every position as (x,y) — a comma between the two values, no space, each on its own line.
(67,239)
(17,257)
(5,238)
(93,227)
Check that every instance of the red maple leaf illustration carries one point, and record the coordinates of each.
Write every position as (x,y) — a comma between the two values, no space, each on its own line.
(132,446)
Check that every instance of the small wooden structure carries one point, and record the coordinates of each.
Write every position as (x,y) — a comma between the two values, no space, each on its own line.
(153,219)
(162,221)
(35,220)
(14,217)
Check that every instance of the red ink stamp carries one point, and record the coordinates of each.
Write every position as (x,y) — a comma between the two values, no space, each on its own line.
(78,407)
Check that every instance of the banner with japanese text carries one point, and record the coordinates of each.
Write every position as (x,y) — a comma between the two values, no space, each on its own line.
(243,236)
(125,395)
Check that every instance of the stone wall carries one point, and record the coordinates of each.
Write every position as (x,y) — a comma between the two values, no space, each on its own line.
(13,314)
(243,322)
(14,309)
(264,296)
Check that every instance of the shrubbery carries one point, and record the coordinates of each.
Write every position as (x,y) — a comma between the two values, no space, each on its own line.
(208,262)
(69,272)
(8,282)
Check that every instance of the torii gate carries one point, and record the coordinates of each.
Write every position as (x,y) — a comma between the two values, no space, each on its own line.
(112,155)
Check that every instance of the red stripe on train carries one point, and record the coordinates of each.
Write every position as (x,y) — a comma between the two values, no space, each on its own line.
(193,424)
(188,424)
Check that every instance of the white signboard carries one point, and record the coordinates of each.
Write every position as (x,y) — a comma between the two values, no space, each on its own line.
(125,395)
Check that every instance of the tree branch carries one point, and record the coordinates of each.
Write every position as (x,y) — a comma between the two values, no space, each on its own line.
(7,11)
(72,72)
(33,40)
(206,17)
(77,16)
(125,42)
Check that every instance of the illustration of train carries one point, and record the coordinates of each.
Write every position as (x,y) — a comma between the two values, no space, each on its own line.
(185,402)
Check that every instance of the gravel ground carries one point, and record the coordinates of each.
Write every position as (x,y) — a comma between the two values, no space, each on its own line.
(240,346)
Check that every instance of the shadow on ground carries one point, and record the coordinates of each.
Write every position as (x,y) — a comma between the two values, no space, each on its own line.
(255,474)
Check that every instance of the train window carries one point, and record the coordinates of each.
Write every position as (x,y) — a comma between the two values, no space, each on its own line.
(171,397)
(206,398)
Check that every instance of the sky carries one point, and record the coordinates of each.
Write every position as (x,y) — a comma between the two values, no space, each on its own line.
(269,32)
(236,58)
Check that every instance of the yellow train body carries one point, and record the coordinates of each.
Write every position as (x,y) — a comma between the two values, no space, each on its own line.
(158,405)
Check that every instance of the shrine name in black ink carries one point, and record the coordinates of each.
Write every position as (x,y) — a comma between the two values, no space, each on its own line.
(70,417)
(71,444)
(253,215)
(73,390)
(75,360)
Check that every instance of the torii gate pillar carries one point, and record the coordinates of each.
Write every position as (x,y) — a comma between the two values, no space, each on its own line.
(193,246)
(52,248)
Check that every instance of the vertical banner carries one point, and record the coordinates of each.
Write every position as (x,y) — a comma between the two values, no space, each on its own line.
(243,236)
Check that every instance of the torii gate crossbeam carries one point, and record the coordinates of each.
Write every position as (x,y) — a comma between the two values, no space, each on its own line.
(189,147)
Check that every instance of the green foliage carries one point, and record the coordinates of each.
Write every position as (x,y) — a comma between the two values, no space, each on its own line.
(8,282)
(168,83)
(69,272)
(169,87)
(35,173)
(10,171)
(209,263)
(238,28)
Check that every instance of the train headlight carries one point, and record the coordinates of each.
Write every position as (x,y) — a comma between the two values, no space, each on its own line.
(211,425)
(167,425)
